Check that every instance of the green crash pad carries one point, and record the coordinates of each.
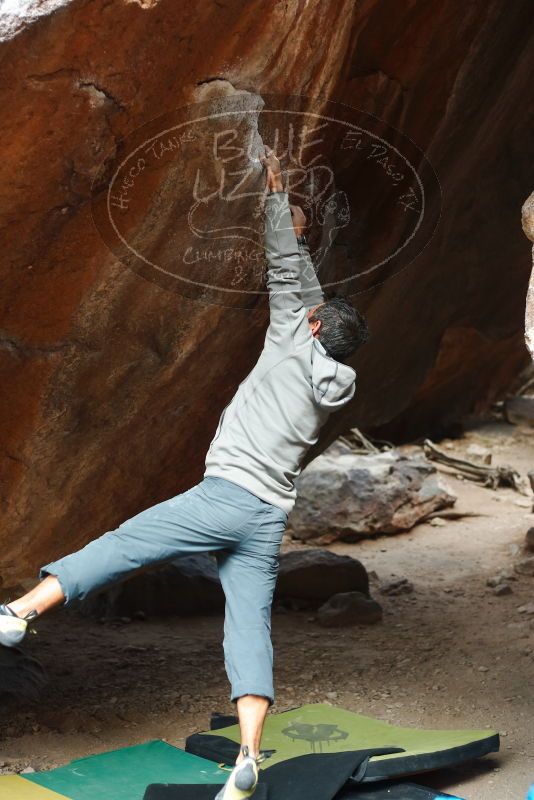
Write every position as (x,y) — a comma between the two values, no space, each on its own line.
(322,728)
(125,774)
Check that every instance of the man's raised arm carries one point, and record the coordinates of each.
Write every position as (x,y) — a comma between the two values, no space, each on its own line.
(282,254)
(311,292)
(291,279)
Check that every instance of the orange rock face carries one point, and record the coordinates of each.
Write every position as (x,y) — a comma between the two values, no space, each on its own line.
(112,379)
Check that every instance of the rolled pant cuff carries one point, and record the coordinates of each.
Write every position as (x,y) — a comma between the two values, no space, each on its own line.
(260,691)
(50,570)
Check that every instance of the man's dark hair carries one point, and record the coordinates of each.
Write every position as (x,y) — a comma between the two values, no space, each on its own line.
(343,328)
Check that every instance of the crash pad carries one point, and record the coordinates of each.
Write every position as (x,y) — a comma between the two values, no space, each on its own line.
(321,728)
(316,775)
(397,791)
(124,774)
(165,791)
(15,787)
(407,791)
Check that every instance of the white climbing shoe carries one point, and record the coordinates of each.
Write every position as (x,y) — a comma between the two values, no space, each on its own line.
(242,781)
(13,629)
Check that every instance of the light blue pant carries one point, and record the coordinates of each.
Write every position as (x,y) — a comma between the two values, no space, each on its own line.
(216,515)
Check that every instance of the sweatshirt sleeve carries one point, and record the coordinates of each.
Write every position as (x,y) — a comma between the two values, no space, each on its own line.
(291,279)
(282,254)
(311,292)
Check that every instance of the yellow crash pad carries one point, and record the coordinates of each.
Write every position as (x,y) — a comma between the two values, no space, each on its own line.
(14,787)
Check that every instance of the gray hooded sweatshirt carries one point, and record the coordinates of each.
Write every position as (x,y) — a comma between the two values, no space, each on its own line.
(278,410)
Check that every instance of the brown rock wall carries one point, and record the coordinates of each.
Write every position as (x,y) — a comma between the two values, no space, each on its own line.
(111,386)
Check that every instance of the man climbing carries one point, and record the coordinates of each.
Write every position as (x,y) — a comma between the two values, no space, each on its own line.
(240,508)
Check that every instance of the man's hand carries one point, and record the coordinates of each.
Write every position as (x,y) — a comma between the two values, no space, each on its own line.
(299,219)
(273,173)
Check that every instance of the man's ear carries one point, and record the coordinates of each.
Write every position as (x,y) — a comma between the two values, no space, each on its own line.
(315,327)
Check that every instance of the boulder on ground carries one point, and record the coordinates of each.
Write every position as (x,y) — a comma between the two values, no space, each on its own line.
(316,575)
(349,608)
(190,585)
(186,585)
(350,497)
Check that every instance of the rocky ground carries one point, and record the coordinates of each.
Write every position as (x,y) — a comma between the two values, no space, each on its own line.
(454,652)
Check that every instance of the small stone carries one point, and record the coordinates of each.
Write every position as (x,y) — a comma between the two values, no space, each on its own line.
(437,522)
(132,716)
(523,502)
(529,540)
(526,609)
(478,453)
(349,608)
(27,771)
(502,589)
(483,669)
(525,566)
(494,581)
(331,695)
(396,587)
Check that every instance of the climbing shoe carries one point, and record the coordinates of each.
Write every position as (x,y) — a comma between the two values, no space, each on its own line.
(13,629)
(242,781)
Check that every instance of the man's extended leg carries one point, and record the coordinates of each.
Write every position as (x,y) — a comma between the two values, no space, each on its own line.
(207,517)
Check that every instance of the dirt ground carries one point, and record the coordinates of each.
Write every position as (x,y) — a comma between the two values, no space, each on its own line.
(451,654)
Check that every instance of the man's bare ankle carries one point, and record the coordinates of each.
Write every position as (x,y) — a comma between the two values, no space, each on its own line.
(245,752)
(16,608)
(22,610)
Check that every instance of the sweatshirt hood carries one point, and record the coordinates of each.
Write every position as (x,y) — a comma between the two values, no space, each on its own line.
(333,383)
